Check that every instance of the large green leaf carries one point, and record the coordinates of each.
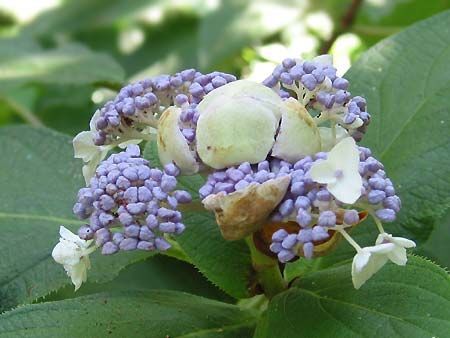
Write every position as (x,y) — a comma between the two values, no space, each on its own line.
(226,264)
(157,272)
(39,179)
(406,81)
(70,64)
(129,314)
(411,301)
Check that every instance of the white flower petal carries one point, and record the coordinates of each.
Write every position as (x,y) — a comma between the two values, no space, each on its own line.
(400,241)
(360,260)
(360,276)
(345,156)
(84,147)
(298,135)
(172,145)
(346,189)
(66,253)
(323,172)
(94,120)
(73,253)
(78,272)
(70,236)
(398,256)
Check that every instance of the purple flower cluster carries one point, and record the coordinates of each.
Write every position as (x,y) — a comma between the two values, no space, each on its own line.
(139,104)
(131,205)
(379,191)
(316,84)
(306,202)
(238,178)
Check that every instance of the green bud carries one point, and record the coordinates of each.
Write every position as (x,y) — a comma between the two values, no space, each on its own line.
(237,124)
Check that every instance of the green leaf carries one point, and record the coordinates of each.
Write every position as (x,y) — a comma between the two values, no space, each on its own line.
(226,264)
(158,272)
(40,179)
(70,64)
(410,301)
(129,314)
(405,79)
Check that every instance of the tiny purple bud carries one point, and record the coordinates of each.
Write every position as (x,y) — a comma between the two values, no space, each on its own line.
(285,256)
(308,250)
(279,235)
(327,219)
(132,230)
(128,244)
(161,244)
(351,217)
(303,217)
(289,242)
(376,196)
(386,215)
(109,248)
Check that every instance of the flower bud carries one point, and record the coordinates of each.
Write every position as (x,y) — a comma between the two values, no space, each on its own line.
(172,145)
(237,124)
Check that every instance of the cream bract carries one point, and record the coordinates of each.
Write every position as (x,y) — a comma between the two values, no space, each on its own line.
(236,128)
(172,145)
(298,135)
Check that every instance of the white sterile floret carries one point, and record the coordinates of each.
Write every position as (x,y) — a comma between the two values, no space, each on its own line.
(92,155)
(237,124)
(328,140)
(298,135)
(172,145)
(340,171)
(73,253)
(398,254)
(368,261)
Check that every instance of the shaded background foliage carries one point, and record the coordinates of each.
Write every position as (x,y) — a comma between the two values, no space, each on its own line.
(60,60)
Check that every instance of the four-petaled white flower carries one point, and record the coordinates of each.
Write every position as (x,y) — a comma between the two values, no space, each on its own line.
(340,171)
(73,253)
(370,259)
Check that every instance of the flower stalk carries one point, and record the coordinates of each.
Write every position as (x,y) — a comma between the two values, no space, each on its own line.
(267,271)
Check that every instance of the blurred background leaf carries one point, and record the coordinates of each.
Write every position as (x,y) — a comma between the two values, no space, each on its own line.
(58,56)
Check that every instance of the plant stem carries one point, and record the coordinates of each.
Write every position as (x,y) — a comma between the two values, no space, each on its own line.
(350,240)
(26,114)
(345,24)
(267,270)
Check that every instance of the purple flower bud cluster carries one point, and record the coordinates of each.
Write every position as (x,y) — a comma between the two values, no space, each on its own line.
(239,177)
(131,205)
(139,104)
(306,202)
(378,190)
(316,85)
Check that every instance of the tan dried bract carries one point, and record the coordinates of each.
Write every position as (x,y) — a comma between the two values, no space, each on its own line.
(243,212)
